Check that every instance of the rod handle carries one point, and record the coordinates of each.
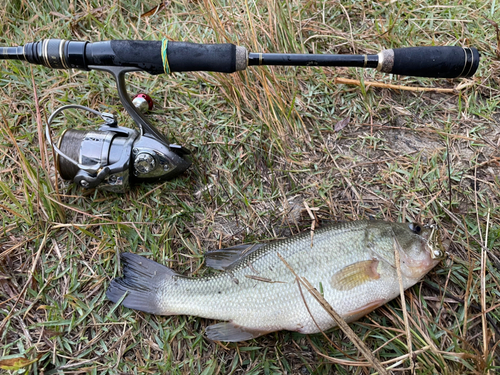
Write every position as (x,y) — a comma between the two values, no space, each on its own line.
(434,62)
(180,56)
(224,58)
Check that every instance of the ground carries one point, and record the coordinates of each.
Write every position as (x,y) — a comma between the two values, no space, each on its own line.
(266,143)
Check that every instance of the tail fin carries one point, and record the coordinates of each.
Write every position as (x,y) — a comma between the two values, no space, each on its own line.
(142,280)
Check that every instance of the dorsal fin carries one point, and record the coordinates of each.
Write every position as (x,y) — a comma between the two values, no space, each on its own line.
(225,259)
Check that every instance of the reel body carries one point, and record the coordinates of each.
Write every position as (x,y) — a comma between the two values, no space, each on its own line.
(113,157)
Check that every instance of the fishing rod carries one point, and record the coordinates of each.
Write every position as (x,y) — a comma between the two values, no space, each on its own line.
(114,156)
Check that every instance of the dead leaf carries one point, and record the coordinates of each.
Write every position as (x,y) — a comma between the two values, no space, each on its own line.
(17,363)
(342,124)
(154,10)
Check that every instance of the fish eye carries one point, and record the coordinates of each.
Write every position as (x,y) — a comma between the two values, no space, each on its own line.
(415,228)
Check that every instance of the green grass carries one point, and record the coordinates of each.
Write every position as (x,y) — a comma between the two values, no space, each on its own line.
(263,142)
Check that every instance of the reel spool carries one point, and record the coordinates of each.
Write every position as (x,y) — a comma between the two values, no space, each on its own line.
(95,158)
(95,147)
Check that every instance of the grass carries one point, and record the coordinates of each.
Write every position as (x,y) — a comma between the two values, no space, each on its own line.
(263,142)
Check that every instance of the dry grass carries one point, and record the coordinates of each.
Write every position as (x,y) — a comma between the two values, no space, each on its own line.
(264,142)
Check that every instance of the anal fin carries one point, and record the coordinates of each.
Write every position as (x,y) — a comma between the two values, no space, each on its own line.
(228,331)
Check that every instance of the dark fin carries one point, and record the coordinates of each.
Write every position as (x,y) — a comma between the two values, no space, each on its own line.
(355,274)
(227,331)
(225,259)
(141,281)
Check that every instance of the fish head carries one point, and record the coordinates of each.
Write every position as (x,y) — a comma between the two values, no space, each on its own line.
(420,248)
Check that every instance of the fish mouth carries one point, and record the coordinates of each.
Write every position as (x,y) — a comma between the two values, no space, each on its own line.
(432,252)
(416,268)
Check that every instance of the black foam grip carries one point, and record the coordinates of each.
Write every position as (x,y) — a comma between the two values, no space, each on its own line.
(185,57)
(181,56)
(143,54)
(436,62)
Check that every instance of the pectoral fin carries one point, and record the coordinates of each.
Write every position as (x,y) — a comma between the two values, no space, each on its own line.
(355,274)
(228,331)
(225,259)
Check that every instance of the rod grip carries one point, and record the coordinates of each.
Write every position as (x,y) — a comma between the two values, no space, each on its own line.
(181,56)
(435,62)
(224,58)
(143,54)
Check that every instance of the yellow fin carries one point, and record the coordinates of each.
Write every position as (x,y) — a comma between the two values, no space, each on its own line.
(355,274)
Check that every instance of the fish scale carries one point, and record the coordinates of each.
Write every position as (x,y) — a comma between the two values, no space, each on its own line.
(351,262)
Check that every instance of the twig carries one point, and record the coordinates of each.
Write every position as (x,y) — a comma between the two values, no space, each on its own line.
(483,291)
(396,360)
(313,218)
(41,139)
(339,320)
(403,302)
(448,163)
(464,303)
(495,25)
(367,84)
(478,241)
(312,317)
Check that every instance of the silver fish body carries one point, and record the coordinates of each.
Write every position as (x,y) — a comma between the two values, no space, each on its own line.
(352,263)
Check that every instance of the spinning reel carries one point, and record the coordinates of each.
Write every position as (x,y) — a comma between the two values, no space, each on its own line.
(114,156)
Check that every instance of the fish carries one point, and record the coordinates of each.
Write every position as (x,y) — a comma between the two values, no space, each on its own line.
(352,264)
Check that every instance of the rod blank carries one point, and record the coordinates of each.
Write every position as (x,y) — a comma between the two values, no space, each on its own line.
(11,53)
(287,59)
